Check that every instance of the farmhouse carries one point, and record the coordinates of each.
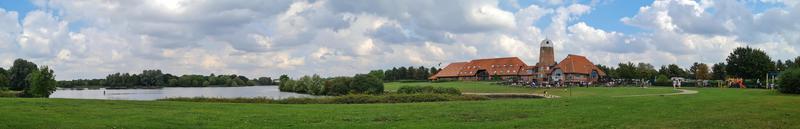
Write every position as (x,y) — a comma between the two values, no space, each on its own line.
(573,69)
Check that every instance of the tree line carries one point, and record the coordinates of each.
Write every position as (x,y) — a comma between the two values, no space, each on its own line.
(316,85)
(27,77)
(405,73)
(156,78)
(743,62)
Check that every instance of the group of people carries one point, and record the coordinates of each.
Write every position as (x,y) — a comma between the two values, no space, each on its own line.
(558,83)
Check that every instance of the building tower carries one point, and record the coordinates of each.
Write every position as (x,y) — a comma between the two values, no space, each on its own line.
(546,54)
(546,61)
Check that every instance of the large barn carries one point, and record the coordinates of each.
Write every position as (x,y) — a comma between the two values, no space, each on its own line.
(573,69)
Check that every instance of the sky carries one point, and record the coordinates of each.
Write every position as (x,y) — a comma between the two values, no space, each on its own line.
(84,39)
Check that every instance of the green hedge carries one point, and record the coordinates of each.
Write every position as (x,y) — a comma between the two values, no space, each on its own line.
(345,99)
(789,81)
(428,89)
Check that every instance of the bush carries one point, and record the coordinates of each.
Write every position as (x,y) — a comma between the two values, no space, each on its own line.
(789,81)
(428,89)
(663,80)
(8,93)
(363,83)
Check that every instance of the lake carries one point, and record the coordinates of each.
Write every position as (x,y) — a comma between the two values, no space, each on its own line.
(153,94)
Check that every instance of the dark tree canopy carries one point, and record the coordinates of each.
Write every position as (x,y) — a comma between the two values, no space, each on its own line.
(406,73)
(672,70)
(718,71)
(748,63)
(18,72)
(155,78)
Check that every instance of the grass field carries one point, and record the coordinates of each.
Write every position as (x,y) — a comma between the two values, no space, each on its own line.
(486,87)
(588,108)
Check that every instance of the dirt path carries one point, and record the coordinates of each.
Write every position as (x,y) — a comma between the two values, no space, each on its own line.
(682,92)
(514,95)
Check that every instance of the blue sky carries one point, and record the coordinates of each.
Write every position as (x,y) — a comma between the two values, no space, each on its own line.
(92,38)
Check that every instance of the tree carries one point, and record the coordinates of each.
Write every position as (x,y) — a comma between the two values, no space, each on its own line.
(718,71)
(363,83)
(42,83)
(645,71)
(411,74)
(377,73)
(422,73)
(790,81)
(672,70)
(264,81)
(283,78)
(402,73)
(4,80)
(610,72)
(19,72)
(627,71)
(748,63)
(779,66)
(433,71)
(701,71)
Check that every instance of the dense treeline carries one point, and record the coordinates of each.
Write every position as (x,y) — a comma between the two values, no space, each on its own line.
(156,78)
(26,77)
(315,85)
(405,73)
(744,62)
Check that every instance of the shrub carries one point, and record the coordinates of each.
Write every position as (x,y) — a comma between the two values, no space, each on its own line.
(428,89)
(789,81)
(363,83)
(663,80)
(9,93)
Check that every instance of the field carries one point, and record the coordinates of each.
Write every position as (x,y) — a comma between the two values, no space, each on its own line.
(585,108)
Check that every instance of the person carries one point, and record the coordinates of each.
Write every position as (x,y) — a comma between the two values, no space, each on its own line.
(676,83)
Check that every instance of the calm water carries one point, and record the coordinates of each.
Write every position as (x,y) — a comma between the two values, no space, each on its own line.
(153,94)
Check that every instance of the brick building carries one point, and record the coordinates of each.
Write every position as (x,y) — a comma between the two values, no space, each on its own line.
(573,69)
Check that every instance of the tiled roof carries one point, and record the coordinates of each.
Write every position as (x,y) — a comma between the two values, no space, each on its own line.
(450,70)
(494,66)
(578,64)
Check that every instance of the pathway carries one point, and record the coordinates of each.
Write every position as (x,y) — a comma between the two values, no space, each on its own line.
(514,95)
(682,92)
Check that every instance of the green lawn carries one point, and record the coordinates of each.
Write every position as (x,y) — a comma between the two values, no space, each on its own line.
(588,108)
(486,87)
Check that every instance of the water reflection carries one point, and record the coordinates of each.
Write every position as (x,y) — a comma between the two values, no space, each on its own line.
(152,94)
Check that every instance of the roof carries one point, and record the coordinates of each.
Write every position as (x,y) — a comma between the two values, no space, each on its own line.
(494,66)
(578,64)
(451,70)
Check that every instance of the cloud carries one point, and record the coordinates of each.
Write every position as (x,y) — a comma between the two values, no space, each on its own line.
(89,39)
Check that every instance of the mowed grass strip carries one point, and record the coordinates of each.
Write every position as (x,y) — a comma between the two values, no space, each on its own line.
(710,108)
